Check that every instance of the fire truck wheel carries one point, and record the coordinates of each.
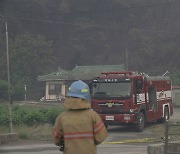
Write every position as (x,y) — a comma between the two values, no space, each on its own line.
(165,117)
(140,122)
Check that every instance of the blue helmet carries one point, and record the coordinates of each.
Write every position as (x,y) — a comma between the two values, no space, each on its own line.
(79,89)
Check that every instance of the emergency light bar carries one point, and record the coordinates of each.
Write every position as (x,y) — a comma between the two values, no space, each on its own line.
(124,72)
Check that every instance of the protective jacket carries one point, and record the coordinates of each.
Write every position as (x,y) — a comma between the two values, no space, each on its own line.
(80,128)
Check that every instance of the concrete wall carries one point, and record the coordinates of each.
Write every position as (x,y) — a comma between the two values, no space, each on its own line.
(159,148)
(7,138)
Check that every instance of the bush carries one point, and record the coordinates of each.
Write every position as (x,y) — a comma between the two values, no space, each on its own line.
(50,115)
(29,116)
(4,115)
(23,136)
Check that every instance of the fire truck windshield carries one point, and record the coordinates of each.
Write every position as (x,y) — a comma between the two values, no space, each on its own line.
(111,90)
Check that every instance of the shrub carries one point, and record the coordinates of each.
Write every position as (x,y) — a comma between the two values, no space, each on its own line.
(51,115)
(4,115)
(29,115)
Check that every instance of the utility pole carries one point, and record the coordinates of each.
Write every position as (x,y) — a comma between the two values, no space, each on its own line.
(126,51)
(126,62)
(9,83)
(25,99)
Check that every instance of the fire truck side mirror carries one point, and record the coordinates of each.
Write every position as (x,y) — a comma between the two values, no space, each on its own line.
(90,86)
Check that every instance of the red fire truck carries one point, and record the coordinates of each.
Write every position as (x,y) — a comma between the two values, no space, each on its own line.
(131,98)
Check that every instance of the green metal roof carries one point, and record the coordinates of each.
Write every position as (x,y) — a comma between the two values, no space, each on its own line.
(88,72)
(81,72)
(60,74)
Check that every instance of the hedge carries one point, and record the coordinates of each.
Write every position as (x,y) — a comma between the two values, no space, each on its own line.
(29,115)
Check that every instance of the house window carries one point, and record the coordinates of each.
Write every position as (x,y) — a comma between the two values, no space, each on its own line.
(54,89)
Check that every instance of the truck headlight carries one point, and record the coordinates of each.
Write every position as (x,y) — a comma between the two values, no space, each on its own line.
(127,117)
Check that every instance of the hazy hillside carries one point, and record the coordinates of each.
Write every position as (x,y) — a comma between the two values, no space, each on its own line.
(46,34)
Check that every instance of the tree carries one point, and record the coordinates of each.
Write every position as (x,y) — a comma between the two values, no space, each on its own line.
(30,56)
(3,89)
(98,31)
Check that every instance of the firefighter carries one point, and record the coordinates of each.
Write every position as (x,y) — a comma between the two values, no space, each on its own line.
(78,130)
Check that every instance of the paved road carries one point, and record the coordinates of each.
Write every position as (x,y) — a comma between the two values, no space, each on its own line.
(52,149)
(116,133)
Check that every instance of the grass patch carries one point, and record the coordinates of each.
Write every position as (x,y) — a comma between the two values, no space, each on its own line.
(29,114)
(31,121)
(158,130)
(38,133)
(4,129)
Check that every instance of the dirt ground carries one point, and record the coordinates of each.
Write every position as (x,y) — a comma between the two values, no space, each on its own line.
(176,115)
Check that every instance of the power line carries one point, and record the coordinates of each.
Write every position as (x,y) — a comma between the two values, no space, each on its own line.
(50,21)
(124,41)
(86,25)
(169,4)
(99,26)
(119,8)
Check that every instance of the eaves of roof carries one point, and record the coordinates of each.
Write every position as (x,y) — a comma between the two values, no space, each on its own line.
(88,72)
(58,75)
(80,72)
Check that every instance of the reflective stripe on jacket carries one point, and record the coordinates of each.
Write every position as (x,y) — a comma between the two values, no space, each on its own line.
(82,130)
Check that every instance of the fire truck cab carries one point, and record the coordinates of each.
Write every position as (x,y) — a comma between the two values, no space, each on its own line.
(130,98)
